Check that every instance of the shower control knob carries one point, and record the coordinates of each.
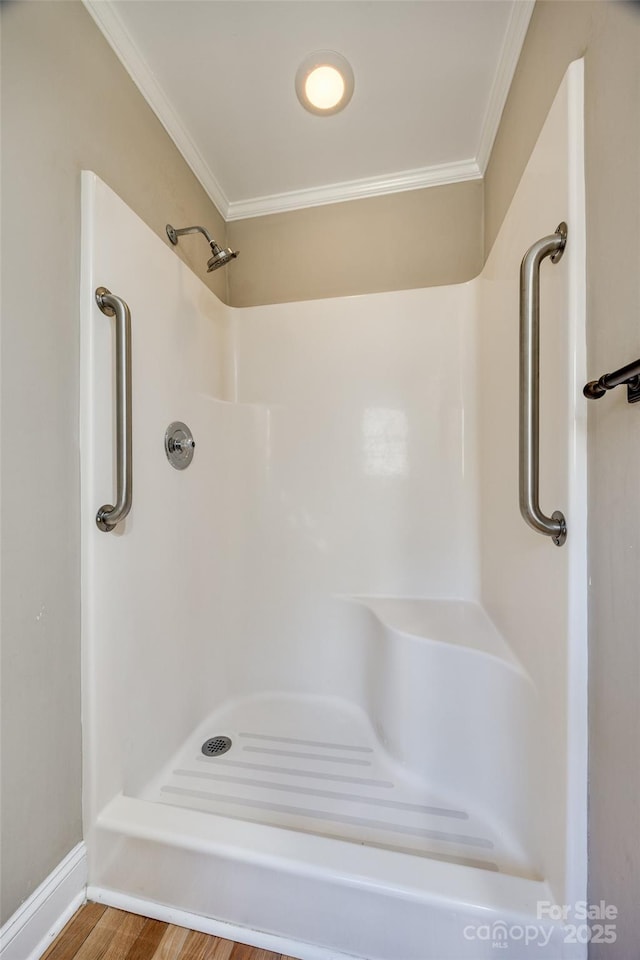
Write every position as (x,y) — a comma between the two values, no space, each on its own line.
(179,445)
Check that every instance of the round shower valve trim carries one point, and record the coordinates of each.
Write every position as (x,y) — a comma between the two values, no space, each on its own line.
(179,445)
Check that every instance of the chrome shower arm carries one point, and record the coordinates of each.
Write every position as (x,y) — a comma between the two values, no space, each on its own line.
(219,255)
(173,234)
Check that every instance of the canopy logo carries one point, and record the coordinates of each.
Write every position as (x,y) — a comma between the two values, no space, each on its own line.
(580,922)
(502,935)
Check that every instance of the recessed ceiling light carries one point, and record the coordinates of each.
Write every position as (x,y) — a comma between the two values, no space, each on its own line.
(324,82)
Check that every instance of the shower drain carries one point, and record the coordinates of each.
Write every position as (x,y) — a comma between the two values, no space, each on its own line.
(215,746)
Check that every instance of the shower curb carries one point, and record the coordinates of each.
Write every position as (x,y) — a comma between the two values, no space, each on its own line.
(37,922)
(215,928)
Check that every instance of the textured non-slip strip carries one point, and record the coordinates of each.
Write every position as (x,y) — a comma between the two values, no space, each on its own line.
(439,835)
(306,743)
(395,848)
(329,794)
(307,756)
(290,772)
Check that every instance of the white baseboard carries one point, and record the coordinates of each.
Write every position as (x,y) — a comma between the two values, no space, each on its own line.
(216,928)
(27,934)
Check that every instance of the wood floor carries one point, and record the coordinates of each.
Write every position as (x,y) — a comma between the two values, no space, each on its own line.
(102,933)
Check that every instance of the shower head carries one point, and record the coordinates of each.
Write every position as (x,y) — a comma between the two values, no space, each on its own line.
(221,256)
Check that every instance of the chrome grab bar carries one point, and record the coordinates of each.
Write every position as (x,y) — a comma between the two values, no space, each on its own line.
(109,516)
(554,526)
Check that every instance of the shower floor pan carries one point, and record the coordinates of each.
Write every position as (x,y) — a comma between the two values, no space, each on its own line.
(306,832)
(314,765)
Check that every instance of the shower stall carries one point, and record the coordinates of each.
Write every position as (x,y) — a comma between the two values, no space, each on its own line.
(334,687)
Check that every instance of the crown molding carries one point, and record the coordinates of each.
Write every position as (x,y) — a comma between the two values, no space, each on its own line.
(437,175)
(508,61)
(111,25)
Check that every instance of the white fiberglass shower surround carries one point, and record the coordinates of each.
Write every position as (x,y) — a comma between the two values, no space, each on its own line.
(341,584)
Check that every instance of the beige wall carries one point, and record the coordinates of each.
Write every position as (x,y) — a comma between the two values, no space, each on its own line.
(421,238)
(558,33)
(66,104)
(609,36)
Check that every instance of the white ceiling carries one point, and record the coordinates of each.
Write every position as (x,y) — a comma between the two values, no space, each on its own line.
(431,78)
